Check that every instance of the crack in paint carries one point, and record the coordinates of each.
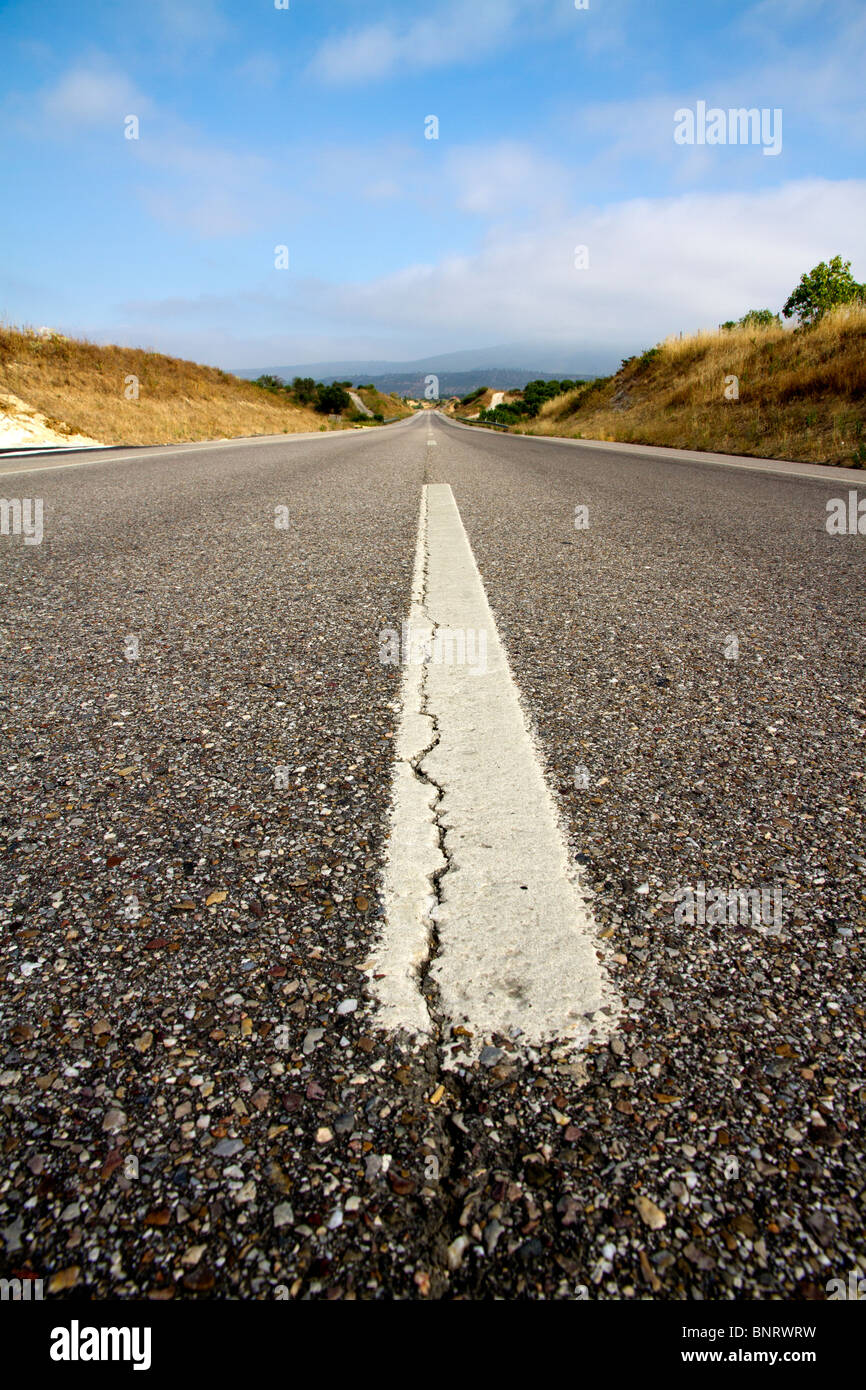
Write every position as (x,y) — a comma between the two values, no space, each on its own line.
(506,947)
(426,982)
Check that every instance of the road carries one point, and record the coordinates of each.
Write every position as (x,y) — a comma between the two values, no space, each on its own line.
(199,742)
(359,404)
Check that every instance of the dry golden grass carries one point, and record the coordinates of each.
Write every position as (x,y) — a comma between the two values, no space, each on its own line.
(382,403)
(472,409)
(802,394)
(79,387)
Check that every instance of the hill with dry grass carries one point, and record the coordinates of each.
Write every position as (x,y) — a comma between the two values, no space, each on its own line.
(482,398)
(66,389)
(769,392)
(384,403)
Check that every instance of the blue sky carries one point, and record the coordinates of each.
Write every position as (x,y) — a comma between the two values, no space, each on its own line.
(305,127)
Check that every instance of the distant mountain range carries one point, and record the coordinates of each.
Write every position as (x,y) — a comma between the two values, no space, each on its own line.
(458,372)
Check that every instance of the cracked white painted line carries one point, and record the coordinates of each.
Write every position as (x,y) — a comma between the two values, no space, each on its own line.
(414,855)
(514,949)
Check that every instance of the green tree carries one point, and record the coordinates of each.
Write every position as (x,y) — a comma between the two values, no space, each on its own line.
(759,318)
(535,393)
(305,390)
(332,400)
(822,289)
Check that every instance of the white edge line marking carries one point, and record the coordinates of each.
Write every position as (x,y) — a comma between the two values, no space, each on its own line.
(778,468)
(167,452)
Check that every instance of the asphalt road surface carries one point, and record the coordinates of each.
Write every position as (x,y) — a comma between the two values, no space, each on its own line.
(198,1096)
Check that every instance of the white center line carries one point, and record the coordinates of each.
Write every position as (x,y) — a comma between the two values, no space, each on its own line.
(515,946)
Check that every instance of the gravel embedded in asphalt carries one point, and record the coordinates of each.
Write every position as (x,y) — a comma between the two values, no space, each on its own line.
(196,1099)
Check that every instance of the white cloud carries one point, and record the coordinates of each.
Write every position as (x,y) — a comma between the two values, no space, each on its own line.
(461,31)
(90,96)
(211,189)
(468,31)
(507,175)
(259,70)
(656,266)
(185,180)
(818,77)
(192,22)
